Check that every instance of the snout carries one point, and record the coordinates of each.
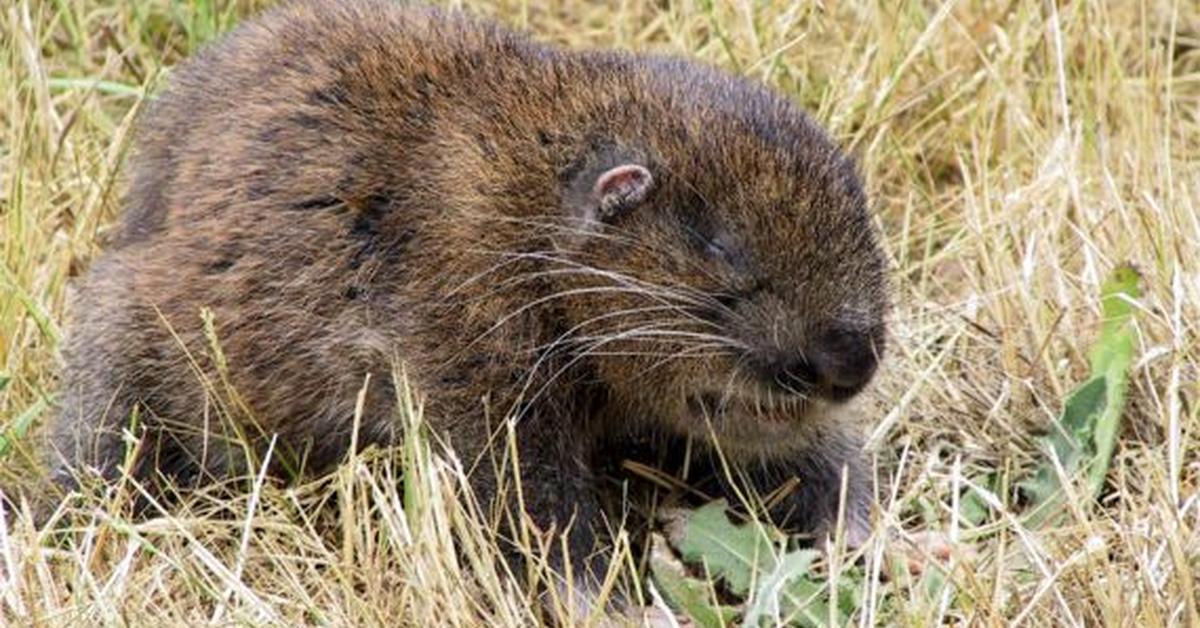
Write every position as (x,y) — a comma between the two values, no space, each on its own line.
(835,364)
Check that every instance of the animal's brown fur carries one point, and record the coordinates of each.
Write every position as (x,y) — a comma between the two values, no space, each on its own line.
(354,185)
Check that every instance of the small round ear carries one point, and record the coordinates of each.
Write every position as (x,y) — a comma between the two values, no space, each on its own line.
(620,189)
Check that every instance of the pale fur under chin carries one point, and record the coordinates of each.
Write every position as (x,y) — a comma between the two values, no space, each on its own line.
(746,439)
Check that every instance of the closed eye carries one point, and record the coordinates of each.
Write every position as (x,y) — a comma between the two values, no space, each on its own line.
(715,249)
(712,247)
(706,238)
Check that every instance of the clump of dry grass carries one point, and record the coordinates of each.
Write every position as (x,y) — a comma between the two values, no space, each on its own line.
(1016,151)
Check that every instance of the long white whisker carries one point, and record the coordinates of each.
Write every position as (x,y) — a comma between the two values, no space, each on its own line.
(690,352)
(574,360)
(567,335)
(672,333)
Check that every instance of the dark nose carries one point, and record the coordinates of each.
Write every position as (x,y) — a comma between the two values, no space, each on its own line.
(836,364)
(846,360)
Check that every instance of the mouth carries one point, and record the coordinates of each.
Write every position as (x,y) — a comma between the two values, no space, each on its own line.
(768,408)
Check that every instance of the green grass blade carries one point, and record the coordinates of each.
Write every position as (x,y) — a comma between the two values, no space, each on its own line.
(87,84)
(19,427)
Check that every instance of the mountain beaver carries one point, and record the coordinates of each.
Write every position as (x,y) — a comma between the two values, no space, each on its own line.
(574,245)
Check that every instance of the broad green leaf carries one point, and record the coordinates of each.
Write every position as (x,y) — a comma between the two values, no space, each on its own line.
(689,595)
(776,589)
(972,506)
(789,594)
(736,554)
(1083,439)
(1113,357)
